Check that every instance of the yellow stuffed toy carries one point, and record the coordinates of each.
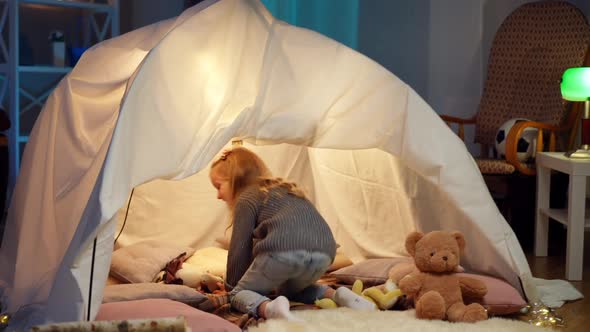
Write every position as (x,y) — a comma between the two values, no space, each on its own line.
(383,296)
(326,303)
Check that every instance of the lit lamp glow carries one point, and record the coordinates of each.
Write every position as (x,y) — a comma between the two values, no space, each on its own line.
(575,86)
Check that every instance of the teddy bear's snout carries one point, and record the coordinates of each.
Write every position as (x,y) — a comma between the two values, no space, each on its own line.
(440,262)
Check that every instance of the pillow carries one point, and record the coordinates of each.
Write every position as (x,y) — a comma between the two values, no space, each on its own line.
(140,262)
(501,299)
(113,281)
(371,272)
(196,277)
(129,292)
(196,319)
(210,260)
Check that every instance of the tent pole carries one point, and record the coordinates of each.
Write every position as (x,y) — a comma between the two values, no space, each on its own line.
(91,279)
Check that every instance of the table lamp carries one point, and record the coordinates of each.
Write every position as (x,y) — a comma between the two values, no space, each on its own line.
(575,86)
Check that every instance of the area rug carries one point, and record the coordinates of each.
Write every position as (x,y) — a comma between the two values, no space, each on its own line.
(344,319)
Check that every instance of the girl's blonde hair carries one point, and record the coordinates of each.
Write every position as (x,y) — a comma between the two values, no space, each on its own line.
(243,168)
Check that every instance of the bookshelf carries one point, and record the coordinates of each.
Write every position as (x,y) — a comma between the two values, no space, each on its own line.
(23,102)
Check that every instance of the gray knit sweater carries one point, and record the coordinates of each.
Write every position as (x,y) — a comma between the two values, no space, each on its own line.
(273,222)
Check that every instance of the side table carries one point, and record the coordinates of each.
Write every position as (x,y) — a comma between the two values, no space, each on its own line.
(573,217)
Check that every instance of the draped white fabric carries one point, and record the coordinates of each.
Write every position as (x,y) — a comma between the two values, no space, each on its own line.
(233,71)
(373,156)
(59,169)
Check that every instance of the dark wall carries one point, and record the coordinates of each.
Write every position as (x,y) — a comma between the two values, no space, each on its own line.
(396,34)
(138,13)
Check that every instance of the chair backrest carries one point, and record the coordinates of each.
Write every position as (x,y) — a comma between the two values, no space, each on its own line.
(531,50)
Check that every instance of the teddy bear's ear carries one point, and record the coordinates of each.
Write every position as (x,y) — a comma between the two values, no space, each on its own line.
(460,239)
(411,241)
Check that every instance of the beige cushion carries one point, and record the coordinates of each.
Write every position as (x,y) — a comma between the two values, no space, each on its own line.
(140,262)
(113,281)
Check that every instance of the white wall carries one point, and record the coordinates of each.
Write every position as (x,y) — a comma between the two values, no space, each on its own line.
(455,61)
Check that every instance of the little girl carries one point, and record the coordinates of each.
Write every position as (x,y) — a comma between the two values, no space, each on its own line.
(279,240)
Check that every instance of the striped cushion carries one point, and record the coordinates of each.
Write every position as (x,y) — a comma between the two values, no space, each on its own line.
(494,166)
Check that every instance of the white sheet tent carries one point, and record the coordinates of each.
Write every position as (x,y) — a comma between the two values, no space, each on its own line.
(162,102)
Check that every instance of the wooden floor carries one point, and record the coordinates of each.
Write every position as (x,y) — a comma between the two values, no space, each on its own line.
(577,313)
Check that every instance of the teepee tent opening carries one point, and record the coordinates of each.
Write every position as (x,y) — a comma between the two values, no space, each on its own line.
(151,109)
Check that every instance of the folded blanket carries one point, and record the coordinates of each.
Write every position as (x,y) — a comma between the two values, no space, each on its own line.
(219,304)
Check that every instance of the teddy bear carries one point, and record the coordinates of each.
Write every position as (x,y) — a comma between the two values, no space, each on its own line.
(400,270)
(388,295)
(435,287)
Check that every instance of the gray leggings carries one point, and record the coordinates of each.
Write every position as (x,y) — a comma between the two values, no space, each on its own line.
(292,273)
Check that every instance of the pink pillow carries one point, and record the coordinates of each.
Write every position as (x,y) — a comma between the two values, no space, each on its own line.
(371,272)
(196,319)
(501,299)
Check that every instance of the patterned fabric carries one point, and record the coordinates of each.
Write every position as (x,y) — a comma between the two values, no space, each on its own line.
(494,166)
(531,50)
(219,304)
(168,273)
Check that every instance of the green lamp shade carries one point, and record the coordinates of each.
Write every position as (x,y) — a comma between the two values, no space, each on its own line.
(575,84)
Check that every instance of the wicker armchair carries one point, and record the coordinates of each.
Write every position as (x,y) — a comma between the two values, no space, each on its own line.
(530,51)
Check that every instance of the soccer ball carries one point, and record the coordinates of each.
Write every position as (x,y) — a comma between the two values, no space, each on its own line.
(527,143)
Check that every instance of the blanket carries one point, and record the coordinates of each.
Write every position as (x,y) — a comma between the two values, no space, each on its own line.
(219,304)
(345,319)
